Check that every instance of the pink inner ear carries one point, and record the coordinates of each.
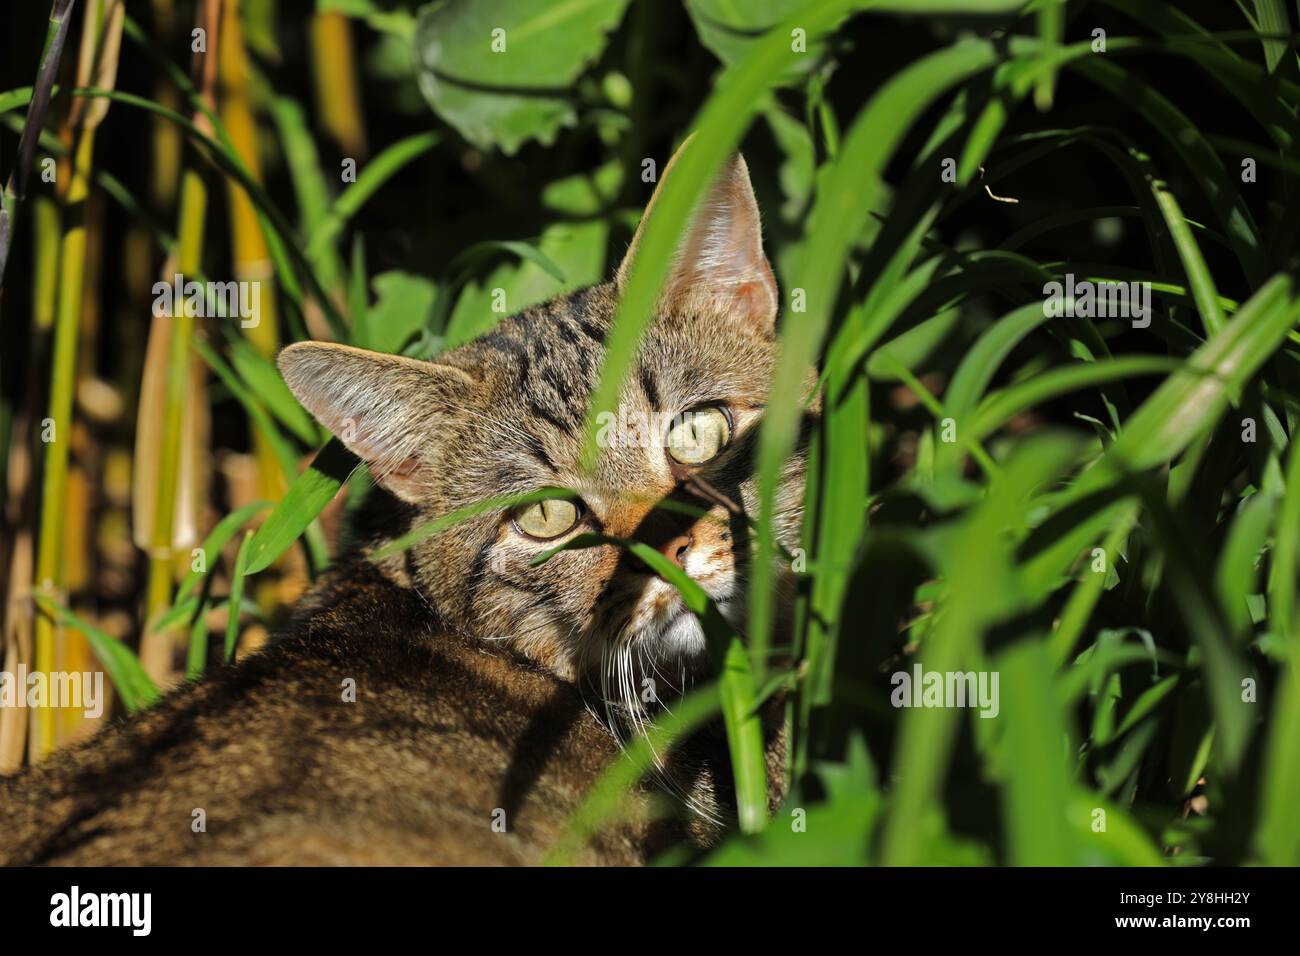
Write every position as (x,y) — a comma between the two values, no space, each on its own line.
(756,301)
(402,478)
(401,475)
(404,468)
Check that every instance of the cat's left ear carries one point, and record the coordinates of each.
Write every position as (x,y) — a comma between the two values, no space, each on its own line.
(391,412)
(719,266)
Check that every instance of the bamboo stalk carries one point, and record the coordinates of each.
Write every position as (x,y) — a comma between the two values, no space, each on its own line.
(338,92)
(74,654)
(101,41)
(249,251)
(168,493)
(168,142)
(17,648)
(21,502)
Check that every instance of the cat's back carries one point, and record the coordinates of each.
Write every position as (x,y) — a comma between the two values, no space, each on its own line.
(367,736)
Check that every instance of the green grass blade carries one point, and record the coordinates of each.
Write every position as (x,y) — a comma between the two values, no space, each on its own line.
(1201,159)
(309,185)
(1237,577)
(739,702)
(844,206)
(372,177)
(196,652)
(1273,23)
(280,234)
(306,498)
(607,800)
(236,602)
(1051,30)
(1036,797)
(718,128)
(1002,405)
(1190,401)
(133,685)
(1277,838)
(263,380)
(443,522)
(211,548)
(1199,279)
(981,586)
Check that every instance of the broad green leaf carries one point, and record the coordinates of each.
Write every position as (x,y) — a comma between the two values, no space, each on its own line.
(502,71)
(510,288)
(402,306)
(729,29)
(584,194)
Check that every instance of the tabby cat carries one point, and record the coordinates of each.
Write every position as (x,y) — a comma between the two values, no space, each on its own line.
(489,693)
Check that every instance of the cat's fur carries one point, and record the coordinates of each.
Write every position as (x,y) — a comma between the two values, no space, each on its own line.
(486,689)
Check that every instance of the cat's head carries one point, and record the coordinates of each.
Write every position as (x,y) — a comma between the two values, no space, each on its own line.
(505,415)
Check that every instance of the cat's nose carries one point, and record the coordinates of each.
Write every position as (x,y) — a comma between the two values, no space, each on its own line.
(675,549)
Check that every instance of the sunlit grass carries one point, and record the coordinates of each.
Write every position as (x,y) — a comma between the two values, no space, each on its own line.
(1129,574)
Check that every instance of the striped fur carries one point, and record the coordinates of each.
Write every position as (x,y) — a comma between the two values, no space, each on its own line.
(485,684)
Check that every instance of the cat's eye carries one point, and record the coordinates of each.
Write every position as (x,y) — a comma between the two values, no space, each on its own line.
(699,435)
(547,519)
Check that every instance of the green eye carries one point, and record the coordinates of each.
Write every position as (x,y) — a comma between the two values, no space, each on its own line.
(547,519)
(699,436)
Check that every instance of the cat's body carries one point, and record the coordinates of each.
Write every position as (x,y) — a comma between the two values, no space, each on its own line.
(453,752)
(490,689)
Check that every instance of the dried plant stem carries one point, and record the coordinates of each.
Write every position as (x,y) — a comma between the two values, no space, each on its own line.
(16,188)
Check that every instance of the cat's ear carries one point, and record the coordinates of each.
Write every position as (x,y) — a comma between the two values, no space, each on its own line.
(719,265)
(384,408)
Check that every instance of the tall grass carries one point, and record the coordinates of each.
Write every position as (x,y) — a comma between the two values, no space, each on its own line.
(1106,516)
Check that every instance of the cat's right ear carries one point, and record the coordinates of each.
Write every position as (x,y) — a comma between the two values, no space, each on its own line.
(384,408)
(719,266)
